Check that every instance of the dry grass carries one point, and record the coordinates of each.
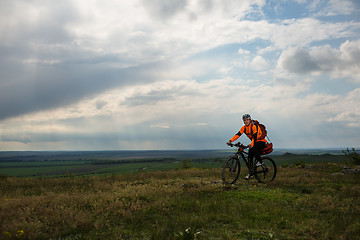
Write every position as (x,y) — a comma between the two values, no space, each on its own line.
(182,204)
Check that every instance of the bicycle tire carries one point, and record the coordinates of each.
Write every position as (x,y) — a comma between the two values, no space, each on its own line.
(267,171)
(231,170)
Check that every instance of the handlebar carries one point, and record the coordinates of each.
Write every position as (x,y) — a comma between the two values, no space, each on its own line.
(239,145)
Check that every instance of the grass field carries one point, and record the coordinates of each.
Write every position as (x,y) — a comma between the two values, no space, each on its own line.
(98,167)
(316,202)
(59,164)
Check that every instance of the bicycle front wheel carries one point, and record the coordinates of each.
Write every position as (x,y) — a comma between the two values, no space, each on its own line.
(231,170)
(267,171)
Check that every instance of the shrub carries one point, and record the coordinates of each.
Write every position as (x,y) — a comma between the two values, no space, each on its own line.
(285,165)
(299,164)
(186,164)
(354,157)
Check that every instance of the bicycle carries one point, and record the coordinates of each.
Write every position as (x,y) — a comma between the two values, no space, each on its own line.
(264,171)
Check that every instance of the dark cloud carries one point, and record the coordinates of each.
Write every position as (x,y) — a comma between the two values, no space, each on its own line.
(154,96)
(299,61)
(45,86)
(38,67)
(206,5)
(37,21)
(15,138)
(100,104)
(342,62)
(164,9)
(147,99)
(43,67)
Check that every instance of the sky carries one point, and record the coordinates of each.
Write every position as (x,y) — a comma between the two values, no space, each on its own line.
(178,74)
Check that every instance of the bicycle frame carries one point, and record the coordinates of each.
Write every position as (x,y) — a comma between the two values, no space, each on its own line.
(240,152)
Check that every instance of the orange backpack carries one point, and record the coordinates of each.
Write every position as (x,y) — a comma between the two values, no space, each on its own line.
(268,146)
(262,128)
(267,149)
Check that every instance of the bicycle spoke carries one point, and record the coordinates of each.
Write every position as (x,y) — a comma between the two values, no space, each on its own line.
(231,170)
(267,171)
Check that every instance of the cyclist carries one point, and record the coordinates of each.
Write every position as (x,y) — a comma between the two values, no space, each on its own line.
(252,132)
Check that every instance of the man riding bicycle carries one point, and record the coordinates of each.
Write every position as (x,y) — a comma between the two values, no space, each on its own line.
(254,133)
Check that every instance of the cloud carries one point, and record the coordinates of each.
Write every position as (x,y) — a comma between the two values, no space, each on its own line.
(337,7)
(243,51)
(164,125)
(259,63)
(347,110)
(176,112)
(41,22)
(48,87)
(266,50)
(100,104)
(340,63)
(297,60)
(17,138)
(164,9)
(304,31)
(92,48)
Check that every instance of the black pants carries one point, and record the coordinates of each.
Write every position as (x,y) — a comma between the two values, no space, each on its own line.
(256,151)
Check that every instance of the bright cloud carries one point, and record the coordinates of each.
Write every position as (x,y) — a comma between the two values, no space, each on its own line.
(259,63)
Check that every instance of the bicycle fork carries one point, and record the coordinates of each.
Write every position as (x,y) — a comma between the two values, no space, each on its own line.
(232,167)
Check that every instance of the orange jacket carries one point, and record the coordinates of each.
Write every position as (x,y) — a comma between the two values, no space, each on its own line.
(252,132)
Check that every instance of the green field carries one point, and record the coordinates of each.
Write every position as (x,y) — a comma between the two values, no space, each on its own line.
(109,196)
(48,164)
(316,202)
(58,164)
(98,167)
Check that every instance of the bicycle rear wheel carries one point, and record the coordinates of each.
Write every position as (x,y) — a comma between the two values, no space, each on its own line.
(267,171)
(231,170)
